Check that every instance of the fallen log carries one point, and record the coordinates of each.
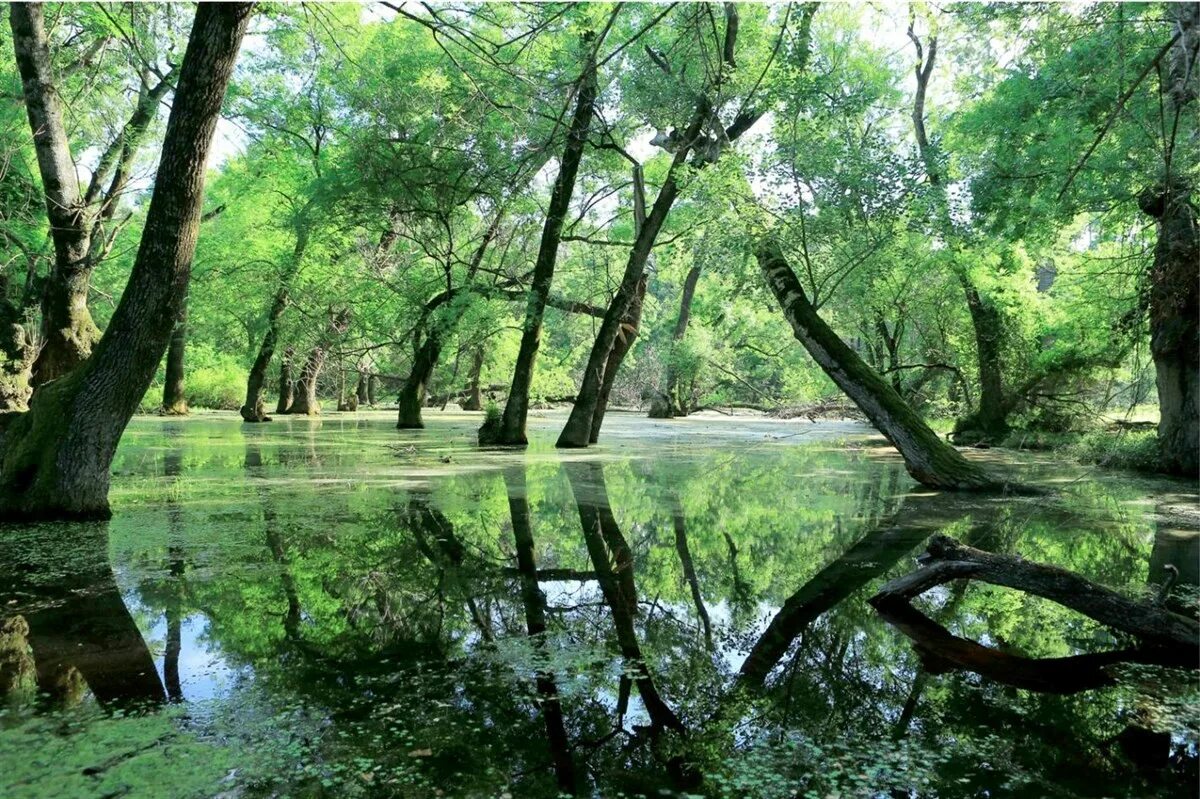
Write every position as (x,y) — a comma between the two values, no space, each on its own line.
(948,559)
(941,651)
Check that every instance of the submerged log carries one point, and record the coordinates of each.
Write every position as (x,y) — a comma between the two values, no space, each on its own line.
(949,560)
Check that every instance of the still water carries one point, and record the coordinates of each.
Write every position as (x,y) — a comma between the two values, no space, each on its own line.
(334,608)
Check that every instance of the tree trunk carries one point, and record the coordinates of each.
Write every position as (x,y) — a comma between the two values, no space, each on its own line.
(474,398)
(57,456)
(989,423)
(360,390)
(929,460)
(68,328)
(305,402)
(412,393)
(174,401)
(372,389)
(621,347)
(76,221)
(677,405)
(254,409)
(287,383)
(516,410)
(578,430)
(1175,326)
(949,560)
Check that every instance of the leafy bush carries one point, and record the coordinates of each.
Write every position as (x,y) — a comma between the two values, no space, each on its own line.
(217,387)
(1135,450)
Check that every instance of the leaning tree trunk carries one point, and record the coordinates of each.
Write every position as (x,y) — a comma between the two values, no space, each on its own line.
(305,402)
(174,401)
(989,422)
(1175,326)
(57,456)
(254,409)
(412,393)
(578,430)
(516,409)
(929,460)
(621,347)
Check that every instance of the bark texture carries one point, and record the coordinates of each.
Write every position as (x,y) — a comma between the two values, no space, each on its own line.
(1175,327)
(516,410)
(929,460)
(412,393)
(56,457)
(174,401)
(287,381)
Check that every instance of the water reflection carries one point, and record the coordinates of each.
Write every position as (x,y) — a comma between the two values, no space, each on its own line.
(73,633)
(391,624)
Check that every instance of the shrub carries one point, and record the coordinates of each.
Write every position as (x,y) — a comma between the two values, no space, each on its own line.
(1135,450)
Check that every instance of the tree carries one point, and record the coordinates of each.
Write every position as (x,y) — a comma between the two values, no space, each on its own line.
(56,456)
(929,460)
(77,220)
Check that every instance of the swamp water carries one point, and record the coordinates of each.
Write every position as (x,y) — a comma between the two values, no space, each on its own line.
(335,608)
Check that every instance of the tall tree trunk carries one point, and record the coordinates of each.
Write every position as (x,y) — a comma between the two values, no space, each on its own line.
(1175,273)
(76,220)
(1175,326)
(578,430)
(254,409)
(57,456)
(632,320)
(67,326)
(516,409)
(412,393)
(174,401)
(287,382)
(372,389)
(929,460)
(474,398)
(678,407)
(305,402)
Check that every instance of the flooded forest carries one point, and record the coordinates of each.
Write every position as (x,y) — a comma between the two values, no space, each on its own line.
(613,399)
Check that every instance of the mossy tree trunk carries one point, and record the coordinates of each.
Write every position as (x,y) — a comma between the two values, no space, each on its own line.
(511,430)
(57,456)
(929,460)
(1175,326)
